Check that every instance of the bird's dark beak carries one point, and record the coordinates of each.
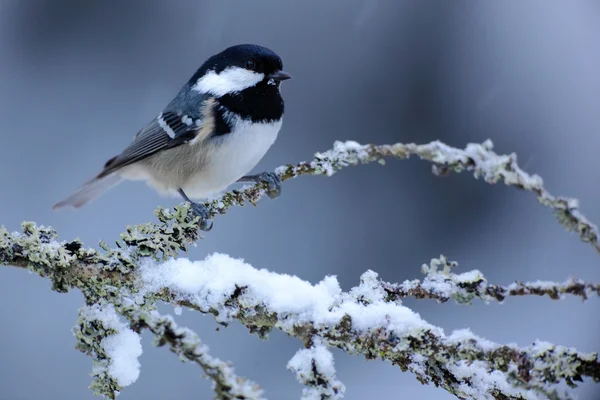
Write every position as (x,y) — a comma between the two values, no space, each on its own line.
(279,76)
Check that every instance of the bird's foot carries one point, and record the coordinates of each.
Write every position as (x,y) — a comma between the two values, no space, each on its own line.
(272,180)
(201,210)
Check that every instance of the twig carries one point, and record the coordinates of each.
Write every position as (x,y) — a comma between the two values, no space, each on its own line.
(188,346)
(443,285)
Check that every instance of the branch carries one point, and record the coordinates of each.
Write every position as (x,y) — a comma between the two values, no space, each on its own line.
(115,349)
(477,158)
(187,345)
(178,228)
(463,288)
(128,280)
(362,321)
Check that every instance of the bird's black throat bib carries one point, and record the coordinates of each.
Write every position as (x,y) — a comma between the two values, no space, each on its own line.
(260,103)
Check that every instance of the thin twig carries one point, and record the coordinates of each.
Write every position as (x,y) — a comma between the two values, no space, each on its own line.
(442,285)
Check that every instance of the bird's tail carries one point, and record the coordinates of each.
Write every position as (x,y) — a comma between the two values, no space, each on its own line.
(89,191)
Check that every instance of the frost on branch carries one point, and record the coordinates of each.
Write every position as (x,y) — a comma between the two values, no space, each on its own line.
(125,283)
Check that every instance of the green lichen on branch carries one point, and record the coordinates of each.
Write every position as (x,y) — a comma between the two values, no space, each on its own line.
(66,264)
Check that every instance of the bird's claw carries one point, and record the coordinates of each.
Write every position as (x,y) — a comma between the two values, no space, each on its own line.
(201,210)
(273,182)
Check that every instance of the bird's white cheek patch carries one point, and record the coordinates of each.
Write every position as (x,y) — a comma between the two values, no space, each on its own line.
(230,80)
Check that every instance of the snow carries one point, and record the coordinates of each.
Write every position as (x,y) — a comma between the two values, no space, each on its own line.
(211,282)
(540,346)
(542,285)
(323,372)
(465,336)
(479,381)
(417,363)
(302,361)
(470,276)
(122,348)
(439,284)
(370,289)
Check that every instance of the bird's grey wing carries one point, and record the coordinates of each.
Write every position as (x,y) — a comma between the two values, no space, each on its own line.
(194,121)
(170,129)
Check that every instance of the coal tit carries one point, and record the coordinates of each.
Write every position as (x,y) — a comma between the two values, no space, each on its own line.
(217,128)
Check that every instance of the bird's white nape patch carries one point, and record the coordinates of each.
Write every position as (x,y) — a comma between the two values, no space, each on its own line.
(165,126)
(230,80)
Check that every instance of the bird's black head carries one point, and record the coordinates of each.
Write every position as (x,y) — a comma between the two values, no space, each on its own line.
(244,79)
(251,57)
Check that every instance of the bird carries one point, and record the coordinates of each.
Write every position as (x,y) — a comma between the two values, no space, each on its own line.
(209,136)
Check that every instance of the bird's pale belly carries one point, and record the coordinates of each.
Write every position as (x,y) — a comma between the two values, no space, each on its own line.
(206,168)
(232,156)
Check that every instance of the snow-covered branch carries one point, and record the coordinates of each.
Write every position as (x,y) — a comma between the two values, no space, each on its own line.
(314,368)
(115,348)
(122,286)
(363,321)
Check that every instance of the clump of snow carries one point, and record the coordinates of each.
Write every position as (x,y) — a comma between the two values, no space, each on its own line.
(122,348)
(316,365)
(540,346)
(470,277)
(370,289)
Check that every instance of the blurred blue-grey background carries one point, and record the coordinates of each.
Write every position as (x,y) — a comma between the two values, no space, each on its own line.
(79,78)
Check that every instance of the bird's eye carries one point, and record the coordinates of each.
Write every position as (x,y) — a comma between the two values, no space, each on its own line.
(250,64)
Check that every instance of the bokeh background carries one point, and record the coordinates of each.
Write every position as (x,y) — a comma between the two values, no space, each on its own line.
(79,78)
